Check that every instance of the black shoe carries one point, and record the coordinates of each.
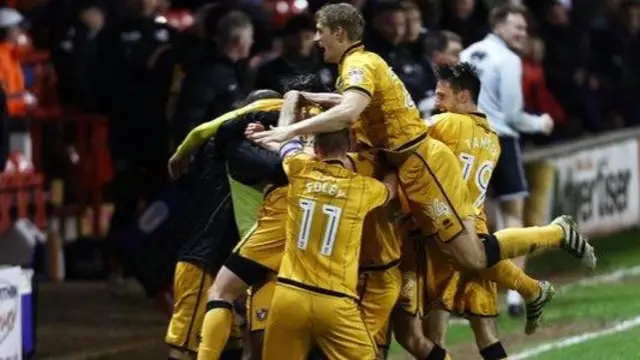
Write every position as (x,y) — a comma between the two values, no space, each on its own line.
(516,311)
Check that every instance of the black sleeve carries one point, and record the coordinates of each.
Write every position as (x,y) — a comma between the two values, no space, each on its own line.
(197,93)
(251,164)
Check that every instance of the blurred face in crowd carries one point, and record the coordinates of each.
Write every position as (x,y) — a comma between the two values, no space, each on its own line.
(92,18)
(464,8)
(534,49)
(15,35)
(300,44)
(391,25)
(633,20)
(450,56)
(413,21)
(243,38)
(513,30)
(557,15)
(447,99)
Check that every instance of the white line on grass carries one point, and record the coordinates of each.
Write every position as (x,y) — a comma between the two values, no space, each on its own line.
(607,278)
(578,339)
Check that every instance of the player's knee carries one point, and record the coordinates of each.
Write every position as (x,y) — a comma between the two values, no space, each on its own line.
(485,331)
(468,253)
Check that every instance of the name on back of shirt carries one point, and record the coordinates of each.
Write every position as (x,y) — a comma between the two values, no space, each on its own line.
(326,188)
(482,143)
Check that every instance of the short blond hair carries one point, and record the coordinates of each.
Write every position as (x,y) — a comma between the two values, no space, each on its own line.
(343,15)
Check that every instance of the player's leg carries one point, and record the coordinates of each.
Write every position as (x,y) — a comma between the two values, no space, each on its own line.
(258,308)
(339,329)
(253,259)
(485,330)
(434,325)
(189,294)
(288,334)
(407,315)
(509,187)
(407,329)
(379,292)
(439,202)
(383,340)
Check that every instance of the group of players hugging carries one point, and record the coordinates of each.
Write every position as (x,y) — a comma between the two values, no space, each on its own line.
(357,219)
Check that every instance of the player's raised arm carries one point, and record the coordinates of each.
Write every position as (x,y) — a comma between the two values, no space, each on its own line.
(327,100)
(338,117)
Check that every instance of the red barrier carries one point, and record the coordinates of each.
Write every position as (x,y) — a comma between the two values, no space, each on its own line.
(23,190)
(94,162)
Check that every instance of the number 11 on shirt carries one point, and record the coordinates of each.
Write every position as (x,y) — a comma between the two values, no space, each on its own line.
(333,213)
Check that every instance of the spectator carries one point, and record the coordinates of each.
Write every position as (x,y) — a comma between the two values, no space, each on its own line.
(619,60)
(415,32)
(386,37)
(299,56)
(138,135)
(75,58)
(467,18)
(440,48)
(563,62)
(11,75)
(216,84)
(500,71)
(537,97)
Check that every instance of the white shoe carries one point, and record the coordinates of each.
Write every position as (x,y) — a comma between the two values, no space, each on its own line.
(535,308)
(574,242)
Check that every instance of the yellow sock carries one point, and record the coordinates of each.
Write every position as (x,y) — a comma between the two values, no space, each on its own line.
(516,242)
(216,328)
(509,276)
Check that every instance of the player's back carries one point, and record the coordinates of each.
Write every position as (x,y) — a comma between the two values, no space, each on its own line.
(391,121)
(381,247)
(477,147)
(327,205)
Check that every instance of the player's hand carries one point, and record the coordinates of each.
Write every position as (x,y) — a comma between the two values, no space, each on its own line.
(275,134)
(547,124)
(177,166)
(252,128)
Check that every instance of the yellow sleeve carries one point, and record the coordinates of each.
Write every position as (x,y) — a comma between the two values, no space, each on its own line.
(443,128)
(358,73)
(378,194)
(202,132)
(294,164)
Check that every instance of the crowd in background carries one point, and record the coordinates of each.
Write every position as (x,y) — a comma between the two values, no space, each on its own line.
(156,81)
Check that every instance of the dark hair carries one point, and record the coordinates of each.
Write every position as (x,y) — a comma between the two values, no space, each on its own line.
(335,142)
(307,82)
(386,6)
(461,76)
(229,24)
(434,41)
(298,24)
(499,14)
(261,94)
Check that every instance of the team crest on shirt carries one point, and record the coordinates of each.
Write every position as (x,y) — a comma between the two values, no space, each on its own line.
(355,75)
(261,314)
(438,209)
